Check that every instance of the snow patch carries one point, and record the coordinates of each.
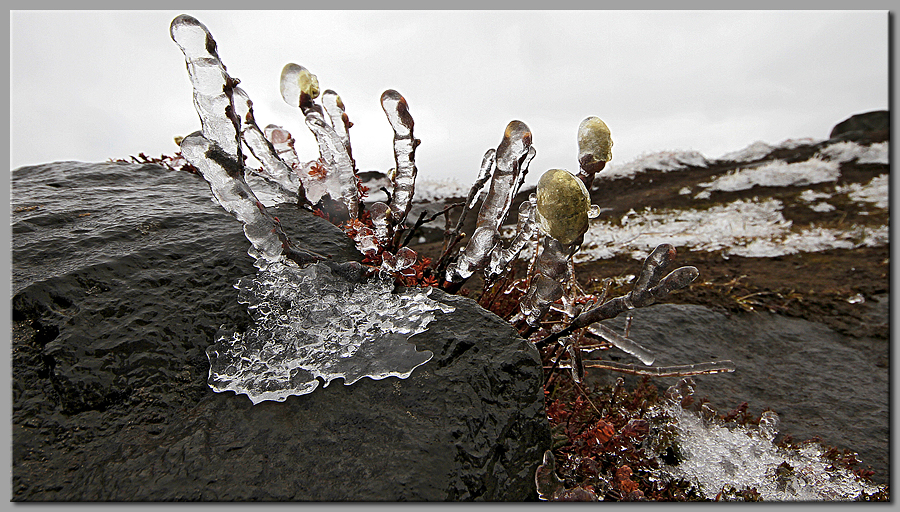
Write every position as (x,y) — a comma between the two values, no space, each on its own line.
(777,174)
(665,161)
(741,228)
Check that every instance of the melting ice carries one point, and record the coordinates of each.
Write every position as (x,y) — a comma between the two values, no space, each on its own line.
(311,324)
(714,457)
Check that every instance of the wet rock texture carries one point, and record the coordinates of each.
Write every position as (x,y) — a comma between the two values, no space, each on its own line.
(110,400)
(821,383)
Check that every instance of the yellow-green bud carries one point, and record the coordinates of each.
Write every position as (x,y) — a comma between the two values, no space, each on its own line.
(594,143)
(562,205)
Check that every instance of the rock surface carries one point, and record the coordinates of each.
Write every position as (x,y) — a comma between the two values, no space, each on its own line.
(110,400)
(821,383)
(859,124)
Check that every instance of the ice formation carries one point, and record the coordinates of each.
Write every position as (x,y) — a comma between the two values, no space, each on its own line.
(299,88)
(715,457)
(216,150)
(404,176)
(510,166)
(594,148)
(311,324)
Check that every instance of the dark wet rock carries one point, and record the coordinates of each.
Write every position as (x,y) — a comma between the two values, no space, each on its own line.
(821,383)
(861,124)
(110,400)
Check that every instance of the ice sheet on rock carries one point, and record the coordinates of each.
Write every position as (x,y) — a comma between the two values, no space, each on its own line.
(397,111)
(310,324)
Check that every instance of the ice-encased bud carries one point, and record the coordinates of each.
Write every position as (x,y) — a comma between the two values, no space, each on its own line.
(404,259)
(562,205)
(594,143)
(297,81)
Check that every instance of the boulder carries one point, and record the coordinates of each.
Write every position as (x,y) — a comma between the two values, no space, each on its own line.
(111,403)
(859,125)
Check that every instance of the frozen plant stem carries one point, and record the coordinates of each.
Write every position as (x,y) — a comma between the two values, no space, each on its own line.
(404,177)
(647,290)
(511,163)
(216,150)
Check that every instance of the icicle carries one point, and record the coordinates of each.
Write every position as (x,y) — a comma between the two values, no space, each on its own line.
(212,84)
(526,230)
(512,157)
(404,177)
(336,158)
(334,107)
(216,150)
(487,164)
(546,284)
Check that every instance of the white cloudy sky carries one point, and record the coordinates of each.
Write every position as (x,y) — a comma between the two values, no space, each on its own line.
(94,85)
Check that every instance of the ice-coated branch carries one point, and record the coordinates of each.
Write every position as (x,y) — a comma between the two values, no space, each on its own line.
(712,367)
(622,343)
(334,107)
(526,231)
(276,171)
(648,288)
(213,87)
(226,181)
(404,177)
(299,88)
(511,161)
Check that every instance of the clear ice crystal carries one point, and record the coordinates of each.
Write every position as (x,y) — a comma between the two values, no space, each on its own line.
(311,324)
(404,259)
(380,213)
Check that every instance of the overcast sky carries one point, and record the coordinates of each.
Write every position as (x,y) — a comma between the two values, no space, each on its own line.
(91,86)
